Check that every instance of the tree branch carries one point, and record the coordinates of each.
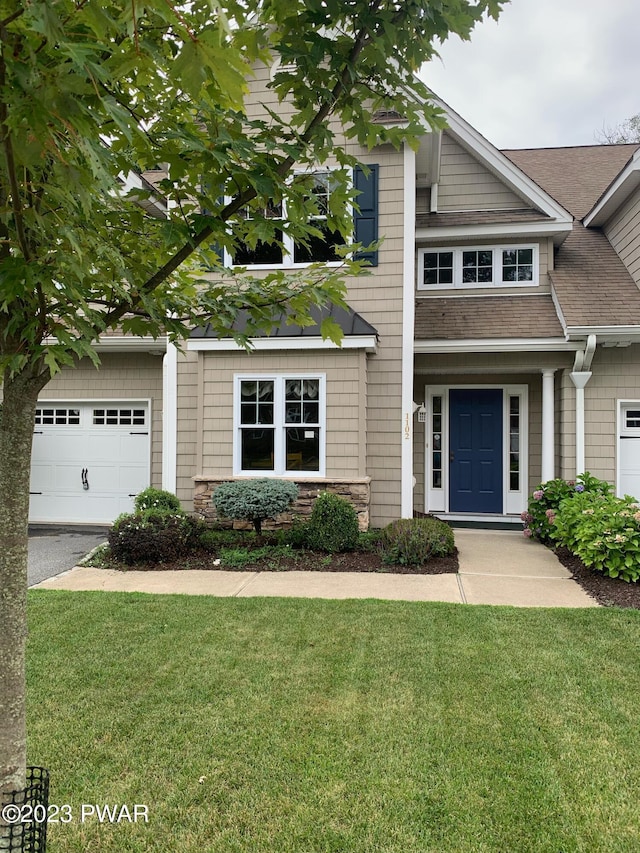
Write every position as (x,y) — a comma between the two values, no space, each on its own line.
(7,144)
(324,111)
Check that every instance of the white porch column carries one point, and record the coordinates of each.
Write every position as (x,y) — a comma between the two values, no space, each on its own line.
(548,425)
(169,418)
(580,379)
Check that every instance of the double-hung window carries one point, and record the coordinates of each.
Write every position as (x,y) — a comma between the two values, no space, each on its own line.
(284,250)
(488,266)
(279,424)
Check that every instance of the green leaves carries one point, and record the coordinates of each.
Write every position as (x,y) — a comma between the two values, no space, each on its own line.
(94,94)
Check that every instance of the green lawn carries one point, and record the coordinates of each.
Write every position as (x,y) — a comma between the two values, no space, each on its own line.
(296,726)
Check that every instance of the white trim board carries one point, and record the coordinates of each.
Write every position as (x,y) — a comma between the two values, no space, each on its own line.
(366,342)
(497,345)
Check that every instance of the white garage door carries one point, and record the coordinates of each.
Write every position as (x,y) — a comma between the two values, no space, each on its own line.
(89,460)
(629,450)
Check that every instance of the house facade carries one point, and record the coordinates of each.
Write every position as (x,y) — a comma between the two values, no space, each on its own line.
(494,344)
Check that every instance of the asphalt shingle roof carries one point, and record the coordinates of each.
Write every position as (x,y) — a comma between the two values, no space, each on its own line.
(577,176)
(481,317)
(592,284)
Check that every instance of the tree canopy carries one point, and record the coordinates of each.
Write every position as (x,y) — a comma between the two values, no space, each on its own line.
(95,92)
(626,131)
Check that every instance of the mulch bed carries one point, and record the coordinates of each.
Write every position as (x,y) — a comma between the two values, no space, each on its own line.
(309,561)
(610,592)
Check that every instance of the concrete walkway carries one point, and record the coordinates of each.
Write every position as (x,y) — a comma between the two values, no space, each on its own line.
(496,567)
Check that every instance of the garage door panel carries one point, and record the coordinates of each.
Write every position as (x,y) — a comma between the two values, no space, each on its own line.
(114,453)
(118,445)
(95,509)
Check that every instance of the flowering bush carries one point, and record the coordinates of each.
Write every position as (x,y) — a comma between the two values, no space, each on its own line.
(604,531)
(540,515)
(153,536)
(159,499)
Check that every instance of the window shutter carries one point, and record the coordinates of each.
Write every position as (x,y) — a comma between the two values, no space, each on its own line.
(365,220)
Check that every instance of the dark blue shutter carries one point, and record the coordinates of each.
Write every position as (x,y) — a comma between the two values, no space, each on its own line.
(365,220)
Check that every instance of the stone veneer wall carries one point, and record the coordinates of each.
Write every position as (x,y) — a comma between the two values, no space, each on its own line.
(355,490)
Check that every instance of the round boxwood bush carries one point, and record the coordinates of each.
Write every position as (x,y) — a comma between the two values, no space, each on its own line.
(333,525)
(414,541)
(153,536)
(254,500)
(156,499)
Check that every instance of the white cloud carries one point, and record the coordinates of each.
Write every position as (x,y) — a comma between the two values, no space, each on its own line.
(549,72)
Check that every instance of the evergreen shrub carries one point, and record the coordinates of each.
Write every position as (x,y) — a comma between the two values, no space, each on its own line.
(156,499)
(254,500)
(333,525)
(414,541)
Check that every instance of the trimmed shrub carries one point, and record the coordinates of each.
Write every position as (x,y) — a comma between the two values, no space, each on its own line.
(414,541)
(333,525)
(158,499)
(545,501)
(153,536)
(254,500)
(296,536)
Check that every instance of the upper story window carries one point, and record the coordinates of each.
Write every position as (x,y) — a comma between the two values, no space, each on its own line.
(284,250)
(486,266)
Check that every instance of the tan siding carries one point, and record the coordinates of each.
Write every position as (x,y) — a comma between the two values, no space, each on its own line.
(122,376)
(378,297)
(624,234)
(616,376)
(345,404)
(465,184)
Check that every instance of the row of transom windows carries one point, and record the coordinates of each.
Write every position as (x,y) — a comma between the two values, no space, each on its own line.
(477,267)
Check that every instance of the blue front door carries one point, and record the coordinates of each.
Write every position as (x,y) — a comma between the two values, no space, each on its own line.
(475,450)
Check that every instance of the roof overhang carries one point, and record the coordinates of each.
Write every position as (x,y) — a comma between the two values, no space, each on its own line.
(607,335)
(129,343)
(627,181)
(363,342)
(558,230)
(497,345)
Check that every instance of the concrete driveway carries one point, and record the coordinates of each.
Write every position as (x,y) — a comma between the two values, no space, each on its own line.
(55,549)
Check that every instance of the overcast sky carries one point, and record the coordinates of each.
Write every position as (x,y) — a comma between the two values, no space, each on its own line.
(548,73)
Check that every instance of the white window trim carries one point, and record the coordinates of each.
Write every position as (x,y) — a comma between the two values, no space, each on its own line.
(287,239)
(279,380)
(497,282)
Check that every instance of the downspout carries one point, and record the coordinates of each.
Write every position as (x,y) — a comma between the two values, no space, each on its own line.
(408,316)
(580,376)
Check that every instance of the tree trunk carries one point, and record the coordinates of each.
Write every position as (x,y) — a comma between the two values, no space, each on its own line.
(16,434)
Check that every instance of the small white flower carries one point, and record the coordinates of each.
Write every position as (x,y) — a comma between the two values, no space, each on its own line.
(216,562)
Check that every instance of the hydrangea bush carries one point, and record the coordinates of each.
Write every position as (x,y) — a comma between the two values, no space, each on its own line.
(604,531)
(599,528)
(539,517)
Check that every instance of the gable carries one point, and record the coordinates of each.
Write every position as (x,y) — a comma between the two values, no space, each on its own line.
(466,184)
(623,232)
